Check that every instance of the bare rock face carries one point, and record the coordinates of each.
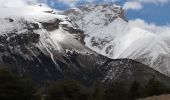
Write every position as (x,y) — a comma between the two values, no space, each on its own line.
(50,26)
(41,45)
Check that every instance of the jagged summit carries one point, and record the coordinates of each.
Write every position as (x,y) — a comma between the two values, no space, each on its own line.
(99,23)
(99,14)
(109,33)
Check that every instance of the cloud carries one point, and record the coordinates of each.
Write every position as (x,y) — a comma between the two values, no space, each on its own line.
(139,4)
(163,31)
(15,3)
(133,5)
(154,1)
(110,0)
(71,3)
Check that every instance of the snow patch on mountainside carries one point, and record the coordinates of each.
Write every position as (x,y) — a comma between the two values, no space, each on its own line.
(29,13)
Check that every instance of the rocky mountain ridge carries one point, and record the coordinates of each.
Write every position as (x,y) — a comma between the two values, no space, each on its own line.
(108,32)
(38,42)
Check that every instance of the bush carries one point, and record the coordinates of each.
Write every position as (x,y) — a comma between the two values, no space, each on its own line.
(15,88)
(134,91)
(155,87)
(97,92)
(68,90)
(117,91)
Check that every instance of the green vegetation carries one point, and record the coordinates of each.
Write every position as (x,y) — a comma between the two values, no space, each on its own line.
(117,91)
(68,90)
(155,87)
(13,87)
(134,91)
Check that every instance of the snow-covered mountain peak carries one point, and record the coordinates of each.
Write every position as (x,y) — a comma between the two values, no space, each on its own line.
(99,15)
(109,33)
(98,23)
(32,30)
(13,16)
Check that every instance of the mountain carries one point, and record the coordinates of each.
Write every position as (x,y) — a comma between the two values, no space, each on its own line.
(38,42)
(108,32)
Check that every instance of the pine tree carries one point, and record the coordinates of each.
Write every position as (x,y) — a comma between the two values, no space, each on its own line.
(13,87)
(155,87)
(117,91)
(134,91)
(68,90)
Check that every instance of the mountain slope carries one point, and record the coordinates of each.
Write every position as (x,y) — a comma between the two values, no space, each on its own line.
(38,42)
(109,33)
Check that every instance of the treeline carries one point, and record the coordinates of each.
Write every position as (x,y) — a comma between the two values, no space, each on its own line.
(13,87)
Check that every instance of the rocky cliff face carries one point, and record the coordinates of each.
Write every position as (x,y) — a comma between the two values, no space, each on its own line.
(108,32)
(36,41)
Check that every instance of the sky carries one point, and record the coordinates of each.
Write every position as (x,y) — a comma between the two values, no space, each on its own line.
(152,11)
